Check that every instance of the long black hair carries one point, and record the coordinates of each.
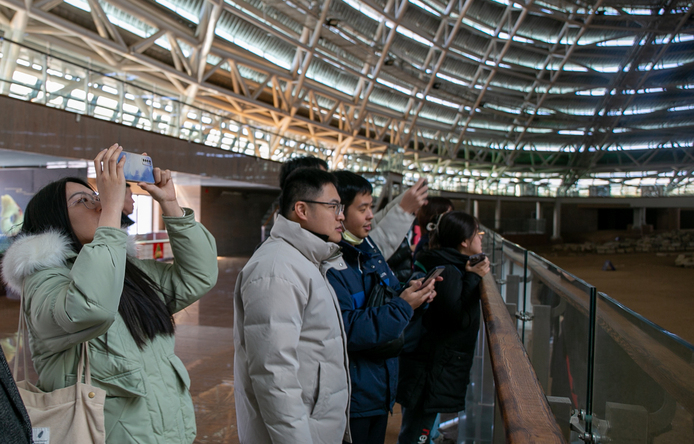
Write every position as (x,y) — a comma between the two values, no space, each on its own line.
(452,229)
(142,304)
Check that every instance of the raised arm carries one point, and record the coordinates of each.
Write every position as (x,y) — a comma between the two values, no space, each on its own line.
(391,224)
(194,270)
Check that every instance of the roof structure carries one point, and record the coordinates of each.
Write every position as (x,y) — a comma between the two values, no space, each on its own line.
(544,93)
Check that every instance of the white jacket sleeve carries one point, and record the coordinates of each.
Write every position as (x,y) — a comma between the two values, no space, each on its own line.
(273,311)
(391,230)
(378,217)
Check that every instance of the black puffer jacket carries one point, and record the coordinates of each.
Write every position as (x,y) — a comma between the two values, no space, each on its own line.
(15,426)
(437,372)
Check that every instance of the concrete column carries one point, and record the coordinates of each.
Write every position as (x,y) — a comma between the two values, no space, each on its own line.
(639,217)
(497,215)
(476,209)
(674,218)
(556,225)
(538,211)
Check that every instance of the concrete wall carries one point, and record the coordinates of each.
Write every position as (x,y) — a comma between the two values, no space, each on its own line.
(233,216)
(30,127)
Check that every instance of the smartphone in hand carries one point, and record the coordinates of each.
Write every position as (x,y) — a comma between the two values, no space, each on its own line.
(138,168)
(432,274)
(476,259)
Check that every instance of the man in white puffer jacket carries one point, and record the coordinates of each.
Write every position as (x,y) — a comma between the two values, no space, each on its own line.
(290,365)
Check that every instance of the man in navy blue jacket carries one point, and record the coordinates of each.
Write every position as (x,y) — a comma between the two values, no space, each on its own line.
(374,379)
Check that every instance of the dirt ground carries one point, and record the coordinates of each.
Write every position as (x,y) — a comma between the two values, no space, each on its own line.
(648,283)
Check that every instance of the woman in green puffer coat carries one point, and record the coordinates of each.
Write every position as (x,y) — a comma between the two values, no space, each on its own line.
(78,284)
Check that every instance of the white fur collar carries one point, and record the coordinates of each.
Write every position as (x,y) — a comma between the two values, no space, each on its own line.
(31,253)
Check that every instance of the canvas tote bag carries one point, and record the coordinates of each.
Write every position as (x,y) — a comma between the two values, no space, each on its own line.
(73,414)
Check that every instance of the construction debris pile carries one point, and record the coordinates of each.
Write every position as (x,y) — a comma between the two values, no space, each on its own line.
(685,260)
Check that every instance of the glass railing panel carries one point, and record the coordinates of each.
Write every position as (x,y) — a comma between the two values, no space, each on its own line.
(644,379)
(556,333)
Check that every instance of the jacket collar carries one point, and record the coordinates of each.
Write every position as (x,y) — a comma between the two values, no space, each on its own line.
(442,256)
(35,252)
(307,243)
(366,248)
(31,253)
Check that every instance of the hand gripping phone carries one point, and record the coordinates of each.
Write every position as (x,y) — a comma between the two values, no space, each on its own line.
(137,168)
(476,259)
(432,274)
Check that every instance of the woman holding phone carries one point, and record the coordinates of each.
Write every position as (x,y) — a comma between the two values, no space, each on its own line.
(70,263)
(434,377)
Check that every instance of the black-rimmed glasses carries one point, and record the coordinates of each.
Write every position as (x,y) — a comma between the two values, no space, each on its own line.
(90,201)
(338,208)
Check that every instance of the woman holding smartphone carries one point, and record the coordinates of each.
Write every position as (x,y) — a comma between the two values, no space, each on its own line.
(70,263)
(434,377)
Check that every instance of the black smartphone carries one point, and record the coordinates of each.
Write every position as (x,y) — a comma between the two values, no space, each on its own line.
(138,168)
(432,274)
(476,259)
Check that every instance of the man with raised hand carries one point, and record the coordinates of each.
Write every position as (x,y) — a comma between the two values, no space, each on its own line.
(392,223)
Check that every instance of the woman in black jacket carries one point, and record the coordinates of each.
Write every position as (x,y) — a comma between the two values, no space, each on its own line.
(434,377)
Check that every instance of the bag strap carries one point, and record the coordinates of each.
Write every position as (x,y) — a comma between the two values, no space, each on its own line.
(21,327)
(82,366)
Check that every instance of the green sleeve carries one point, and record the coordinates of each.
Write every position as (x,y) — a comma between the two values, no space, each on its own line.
(194,270)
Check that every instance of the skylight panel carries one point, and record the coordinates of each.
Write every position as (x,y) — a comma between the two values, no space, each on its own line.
(443,102)
(571,132)
(425,7)
(637,111)
(188,15)
(407,33)
(517,38)
(639,11)
(606,68)
(80,4)
(547,147)
(680,38)
(394,86)
(574,68)
(365,9)
(505,109)
(681,108)
(109,89)
(163,42)
(624,41)
(478,26)
(454,80)
(592,92)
